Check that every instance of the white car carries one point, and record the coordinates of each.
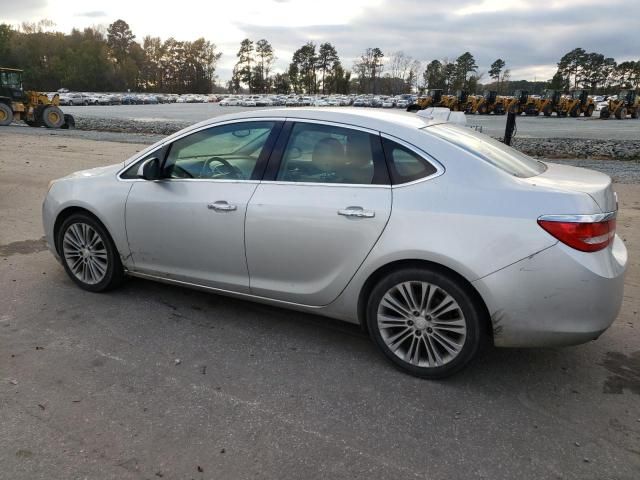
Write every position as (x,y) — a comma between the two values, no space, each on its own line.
(230,102)
(433,237)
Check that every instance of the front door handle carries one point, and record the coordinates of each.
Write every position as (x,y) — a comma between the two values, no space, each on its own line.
(222,206)
(357,212)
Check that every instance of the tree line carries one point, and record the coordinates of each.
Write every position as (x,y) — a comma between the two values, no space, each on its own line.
(112,60)
(107,60)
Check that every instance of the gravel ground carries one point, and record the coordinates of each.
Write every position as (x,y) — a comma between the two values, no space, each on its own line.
(153,381)
(620,172)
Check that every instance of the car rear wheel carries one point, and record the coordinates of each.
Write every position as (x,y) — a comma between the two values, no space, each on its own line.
(88,254)
(425,321)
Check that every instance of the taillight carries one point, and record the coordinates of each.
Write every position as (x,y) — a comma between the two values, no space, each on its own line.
(587,233)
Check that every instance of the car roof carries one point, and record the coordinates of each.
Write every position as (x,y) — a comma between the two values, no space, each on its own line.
(365,117)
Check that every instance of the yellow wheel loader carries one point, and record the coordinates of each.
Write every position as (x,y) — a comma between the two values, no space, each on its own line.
(486,103)
(627,103)
(461,103)
(576,103)
(515,103)
(33,108)
(530,106)
(548,103)
(450,101)
(432,99)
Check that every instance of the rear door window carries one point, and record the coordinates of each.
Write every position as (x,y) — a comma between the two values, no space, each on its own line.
(319,153)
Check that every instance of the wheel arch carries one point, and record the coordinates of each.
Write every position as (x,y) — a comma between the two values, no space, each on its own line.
(71,210)
(396,265)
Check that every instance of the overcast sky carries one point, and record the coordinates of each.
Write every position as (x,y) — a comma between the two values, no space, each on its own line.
(530,35)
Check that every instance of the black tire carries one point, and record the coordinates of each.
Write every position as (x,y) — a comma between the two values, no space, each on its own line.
(113,271)
(635,114)
(575,112)
(469,308)
(52,117)
(621,113)
(6,115)
(69,122)
(589,111)
(482,109)
(604,113)
(547,111)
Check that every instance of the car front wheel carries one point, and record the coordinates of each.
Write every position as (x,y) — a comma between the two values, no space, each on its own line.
(427,322)
(88,254)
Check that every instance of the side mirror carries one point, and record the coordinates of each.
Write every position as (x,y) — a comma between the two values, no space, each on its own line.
(150,169)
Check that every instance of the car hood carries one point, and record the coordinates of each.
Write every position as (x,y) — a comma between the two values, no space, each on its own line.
(568,178)
(96,172)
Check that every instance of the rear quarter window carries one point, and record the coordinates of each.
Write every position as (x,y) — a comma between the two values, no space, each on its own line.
(404,164)
(488,149)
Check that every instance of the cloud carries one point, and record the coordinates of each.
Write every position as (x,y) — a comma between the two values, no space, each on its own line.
(530,35)
(525,34)
(22,10)
(92,14)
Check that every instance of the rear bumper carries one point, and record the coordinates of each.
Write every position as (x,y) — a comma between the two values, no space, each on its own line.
(559,296)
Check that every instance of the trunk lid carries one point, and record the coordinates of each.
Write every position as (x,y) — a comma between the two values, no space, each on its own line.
(575,179)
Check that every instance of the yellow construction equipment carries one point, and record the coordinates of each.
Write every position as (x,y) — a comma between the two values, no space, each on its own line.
(627,103)
(432,99)
(485,103)
(451,101)
(461,101)
(516,102)
(35,109)
(576,103)
(530,106)
(548,103)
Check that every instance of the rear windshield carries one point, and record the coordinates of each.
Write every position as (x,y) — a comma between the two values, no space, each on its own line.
(490,150)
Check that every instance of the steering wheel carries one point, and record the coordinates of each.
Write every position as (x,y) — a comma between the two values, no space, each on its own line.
(180,172)
(230,170)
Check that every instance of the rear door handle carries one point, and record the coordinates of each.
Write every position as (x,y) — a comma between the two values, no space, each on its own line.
(222,206)
(357,212)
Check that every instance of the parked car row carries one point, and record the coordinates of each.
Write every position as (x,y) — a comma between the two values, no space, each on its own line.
(382,101)
(293,100)
(86,98)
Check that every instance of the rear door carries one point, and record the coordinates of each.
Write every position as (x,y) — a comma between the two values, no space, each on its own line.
(322,206)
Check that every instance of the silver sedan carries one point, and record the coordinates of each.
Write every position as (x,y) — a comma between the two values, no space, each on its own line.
(431,236)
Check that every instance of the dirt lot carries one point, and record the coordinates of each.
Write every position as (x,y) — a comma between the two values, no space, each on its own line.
(90,385)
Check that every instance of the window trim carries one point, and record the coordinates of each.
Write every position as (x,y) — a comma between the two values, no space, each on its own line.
(167,143)
(420,153)
(275,160)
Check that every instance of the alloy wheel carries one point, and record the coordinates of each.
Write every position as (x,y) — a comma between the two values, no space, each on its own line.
(85,253)
(421,324)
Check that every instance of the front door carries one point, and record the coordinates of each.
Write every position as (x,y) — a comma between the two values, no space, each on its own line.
(311,226)
(189,226)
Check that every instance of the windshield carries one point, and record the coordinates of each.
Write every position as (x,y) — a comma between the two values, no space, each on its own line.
(491,151)
(10,79)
